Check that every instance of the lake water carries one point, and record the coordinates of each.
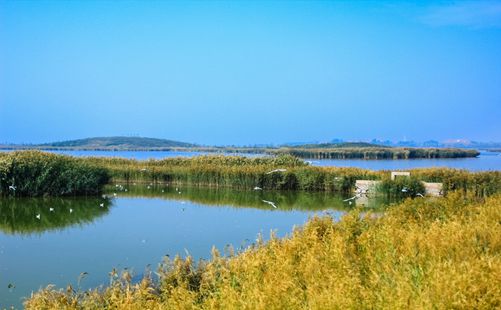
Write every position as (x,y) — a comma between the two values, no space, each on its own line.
(136,228)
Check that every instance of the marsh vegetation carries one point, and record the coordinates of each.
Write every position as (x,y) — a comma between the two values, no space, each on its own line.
(35,173)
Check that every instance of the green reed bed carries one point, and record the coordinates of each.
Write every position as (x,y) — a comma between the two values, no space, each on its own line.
(376,153)
(35,173)
(247,173)
(274,173)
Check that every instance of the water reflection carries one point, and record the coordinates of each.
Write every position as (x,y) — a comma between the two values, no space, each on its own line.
(26,216)
(283,200)
(135,228)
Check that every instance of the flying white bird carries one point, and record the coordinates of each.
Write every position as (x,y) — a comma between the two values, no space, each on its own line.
(257,188)
(38,216)
(51,209)
(12,187)
(349,199)
(101,205)
(71,210)
(271,203)
(276,170)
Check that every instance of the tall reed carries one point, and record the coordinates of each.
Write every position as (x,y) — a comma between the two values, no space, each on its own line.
(35,173)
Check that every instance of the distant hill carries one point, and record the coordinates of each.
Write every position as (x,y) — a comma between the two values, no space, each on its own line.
(118,143)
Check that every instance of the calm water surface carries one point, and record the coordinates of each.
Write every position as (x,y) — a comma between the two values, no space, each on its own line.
(136,228)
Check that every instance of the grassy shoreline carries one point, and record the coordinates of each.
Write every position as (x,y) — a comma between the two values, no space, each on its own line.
(428,253)
(38,173)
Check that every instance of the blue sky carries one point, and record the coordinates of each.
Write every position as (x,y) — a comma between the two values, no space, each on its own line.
(250,72)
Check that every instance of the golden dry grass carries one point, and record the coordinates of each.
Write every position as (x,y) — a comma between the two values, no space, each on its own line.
(422,254)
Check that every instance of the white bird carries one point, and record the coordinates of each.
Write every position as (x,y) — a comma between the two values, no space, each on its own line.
(420,195)
(179,193)
(125,189)
(257,188)
(101,205)
(404,190)
(276,170)
(162,190)
(71,210)
(148,187)
(115,194)
(51,209)
(12,187)
(176,189)
(271,203)
(38,216)
(349,199)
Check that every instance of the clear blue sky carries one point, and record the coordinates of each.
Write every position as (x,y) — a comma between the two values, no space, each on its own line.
(250,72)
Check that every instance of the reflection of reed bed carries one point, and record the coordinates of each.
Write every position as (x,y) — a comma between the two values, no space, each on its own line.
(37,215)
(284,200)
(423,253)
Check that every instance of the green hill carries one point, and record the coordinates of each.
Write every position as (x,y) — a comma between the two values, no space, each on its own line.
(118,143)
